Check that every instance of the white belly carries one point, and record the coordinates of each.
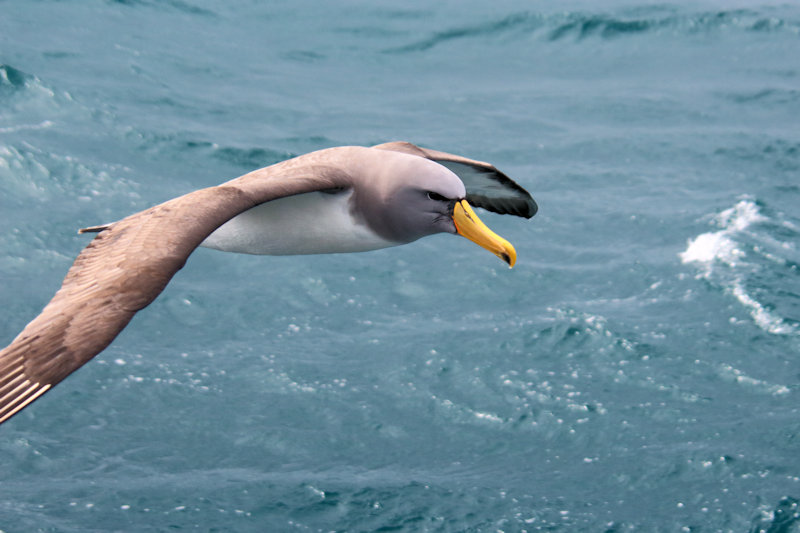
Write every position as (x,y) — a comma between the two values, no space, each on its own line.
(312,223)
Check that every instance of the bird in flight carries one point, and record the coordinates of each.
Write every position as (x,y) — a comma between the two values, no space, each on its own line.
(344,199)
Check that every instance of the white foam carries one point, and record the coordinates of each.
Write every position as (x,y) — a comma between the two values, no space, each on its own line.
(707,247)
(13,129)
(729,372)
(712,249)
(761,316)
(488,416)
(740,216)
(720,245)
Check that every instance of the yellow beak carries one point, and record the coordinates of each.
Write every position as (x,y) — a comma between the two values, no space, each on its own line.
(470,226)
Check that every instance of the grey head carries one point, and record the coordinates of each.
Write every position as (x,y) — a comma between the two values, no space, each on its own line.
(403,197)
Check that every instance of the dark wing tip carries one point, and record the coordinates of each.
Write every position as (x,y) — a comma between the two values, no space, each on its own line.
(487,187)
(521,207)
(94,229)
(490,189)
(507,197)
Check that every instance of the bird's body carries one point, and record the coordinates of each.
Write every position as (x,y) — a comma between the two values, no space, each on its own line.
(345,199)
(355,218)
(293,228)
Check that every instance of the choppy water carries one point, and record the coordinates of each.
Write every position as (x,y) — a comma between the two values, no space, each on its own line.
(637,371)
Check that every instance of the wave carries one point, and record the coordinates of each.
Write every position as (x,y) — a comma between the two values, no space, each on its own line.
(176,5)
(781,154)
(12,79)
(29,173)
(23,127)
(26,103)
(512,22)
(783,518)
(183,145)
(245,158)
(582,25)
(750,256)
(15,82)
(781,96)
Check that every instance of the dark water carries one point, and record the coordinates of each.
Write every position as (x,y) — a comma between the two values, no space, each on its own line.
(637,371)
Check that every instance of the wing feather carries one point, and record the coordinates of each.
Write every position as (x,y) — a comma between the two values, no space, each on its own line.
(126,266)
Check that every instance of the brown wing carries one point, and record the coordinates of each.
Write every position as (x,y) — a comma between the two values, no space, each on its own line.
(486,186)
(127,265)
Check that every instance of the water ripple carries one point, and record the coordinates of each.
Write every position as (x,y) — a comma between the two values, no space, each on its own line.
(581,25)
(490,28)
(177,5)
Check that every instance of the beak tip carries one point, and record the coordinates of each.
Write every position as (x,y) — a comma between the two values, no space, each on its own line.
(470,226)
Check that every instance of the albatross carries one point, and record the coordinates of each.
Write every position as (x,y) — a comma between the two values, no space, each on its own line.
(344,199)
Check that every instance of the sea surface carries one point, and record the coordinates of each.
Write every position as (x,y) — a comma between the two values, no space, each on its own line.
(638,370)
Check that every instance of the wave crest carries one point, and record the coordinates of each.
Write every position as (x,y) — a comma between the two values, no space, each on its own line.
(746,260)
(581,25)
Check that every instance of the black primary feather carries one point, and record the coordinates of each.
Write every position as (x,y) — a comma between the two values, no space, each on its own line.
(492,190)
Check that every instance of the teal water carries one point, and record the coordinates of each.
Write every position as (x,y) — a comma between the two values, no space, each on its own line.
(637,370)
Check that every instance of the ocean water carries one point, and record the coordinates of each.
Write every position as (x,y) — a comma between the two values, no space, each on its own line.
(637,371)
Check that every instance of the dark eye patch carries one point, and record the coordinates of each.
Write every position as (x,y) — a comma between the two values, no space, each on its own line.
(436,196)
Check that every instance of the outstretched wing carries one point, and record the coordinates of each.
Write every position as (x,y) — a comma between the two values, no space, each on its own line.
(486,186)
(126,267)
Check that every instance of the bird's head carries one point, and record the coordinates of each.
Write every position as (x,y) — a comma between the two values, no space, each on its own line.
(417,197)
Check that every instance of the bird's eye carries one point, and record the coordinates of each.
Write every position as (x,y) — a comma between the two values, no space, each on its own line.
(436,196)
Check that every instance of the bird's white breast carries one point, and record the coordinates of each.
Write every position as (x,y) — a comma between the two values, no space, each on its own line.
(311,223)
